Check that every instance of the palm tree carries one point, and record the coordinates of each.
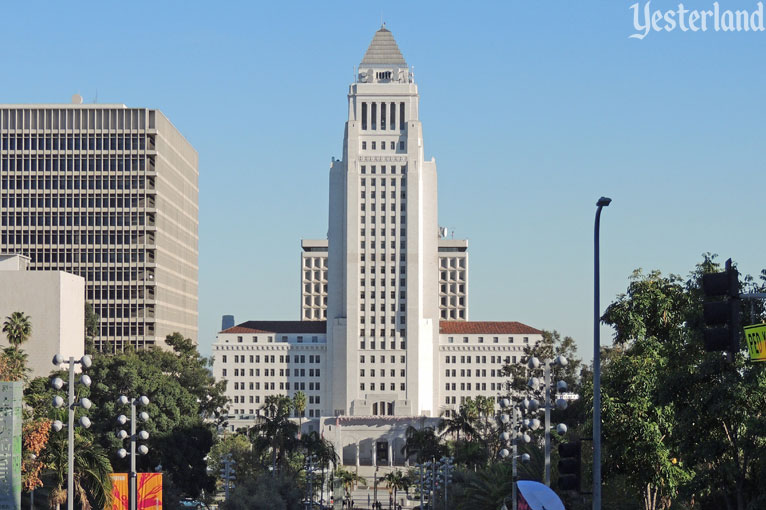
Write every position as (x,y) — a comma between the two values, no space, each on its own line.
(489,487)
(461,422)
(486,408)
(396,481)
(17,328)
(423,443)
(299,404)
(274,430)
(92,483)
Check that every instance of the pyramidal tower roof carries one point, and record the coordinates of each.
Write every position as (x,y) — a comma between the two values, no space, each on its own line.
(383,50)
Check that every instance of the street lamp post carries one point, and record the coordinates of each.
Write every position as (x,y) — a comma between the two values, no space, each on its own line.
(85,403)
(134,437)
(602,202)
(560,403)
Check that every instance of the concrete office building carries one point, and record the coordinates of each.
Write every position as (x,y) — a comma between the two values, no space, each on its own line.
(54,301)
(385,296)
(109,193)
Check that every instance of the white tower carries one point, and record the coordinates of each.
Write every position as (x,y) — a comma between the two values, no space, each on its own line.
(383,313)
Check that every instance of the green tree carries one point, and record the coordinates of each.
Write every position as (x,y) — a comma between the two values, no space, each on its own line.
(92,483)
(462,422)
(299,404)
(239,447)
(274,432)
(182,410)
(18,328)
(396,481)
(91,329)
(422,443)
(679,422)
(265,492)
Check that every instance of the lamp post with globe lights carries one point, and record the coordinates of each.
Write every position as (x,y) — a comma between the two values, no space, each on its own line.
(561,386)
(134,437)
(57,383)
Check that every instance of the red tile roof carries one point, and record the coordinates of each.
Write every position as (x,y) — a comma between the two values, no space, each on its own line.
(486,327)
(299,327)
(240,329)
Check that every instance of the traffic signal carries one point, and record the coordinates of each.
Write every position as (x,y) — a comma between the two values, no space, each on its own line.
(569,466)
(722,315)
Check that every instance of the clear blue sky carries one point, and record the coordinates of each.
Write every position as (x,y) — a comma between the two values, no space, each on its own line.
(532,109)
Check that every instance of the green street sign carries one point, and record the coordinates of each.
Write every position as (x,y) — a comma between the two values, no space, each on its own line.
(755,336)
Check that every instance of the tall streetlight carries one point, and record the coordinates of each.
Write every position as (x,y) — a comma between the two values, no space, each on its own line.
(143,435)
(85,403)
(602,202)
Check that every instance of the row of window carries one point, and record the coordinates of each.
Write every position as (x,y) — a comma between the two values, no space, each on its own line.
(363,209)
(315,275)
(253,412)
(374,169)
(382,232)
(402,282)
(481,359)
(382,386)
(315,288)
(79,164)
(382,345)
(371,294)
(382,307)
(77,118)
(270,372)
(269,358)
(466,386)
(312,262)
(447,276)
(73,142)
(391,145)
(71,183)
(382,195)
(384,107)
(467,372)
(392,372)
(69,201)
(495,340)
(382,358)
(391,319)
(371,245)
(382,181)
(75,220)
(240,386)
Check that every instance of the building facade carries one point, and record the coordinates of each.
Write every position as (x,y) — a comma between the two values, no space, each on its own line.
(453,279)
(54,301)
(385,296)
(109,193)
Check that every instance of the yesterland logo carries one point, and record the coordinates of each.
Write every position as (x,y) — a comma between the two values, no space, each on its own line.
(716,19)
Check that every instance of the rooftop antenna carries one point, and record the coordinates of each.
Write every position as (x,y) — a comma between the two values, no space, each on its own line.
(95,99)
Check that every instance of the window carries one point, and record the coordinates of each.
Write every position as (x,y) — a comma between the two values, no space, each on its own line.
(401,146)
(364,146)
(239,339)
(373,148)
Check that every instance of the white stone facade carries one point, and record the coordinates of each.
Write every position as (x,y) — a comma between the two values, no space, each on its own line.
(385,296)
(55,304)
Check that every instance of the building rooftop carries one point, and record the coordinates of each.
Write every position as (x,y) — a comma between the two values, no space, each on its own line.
(486,327)
(318,327)
(383,50)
